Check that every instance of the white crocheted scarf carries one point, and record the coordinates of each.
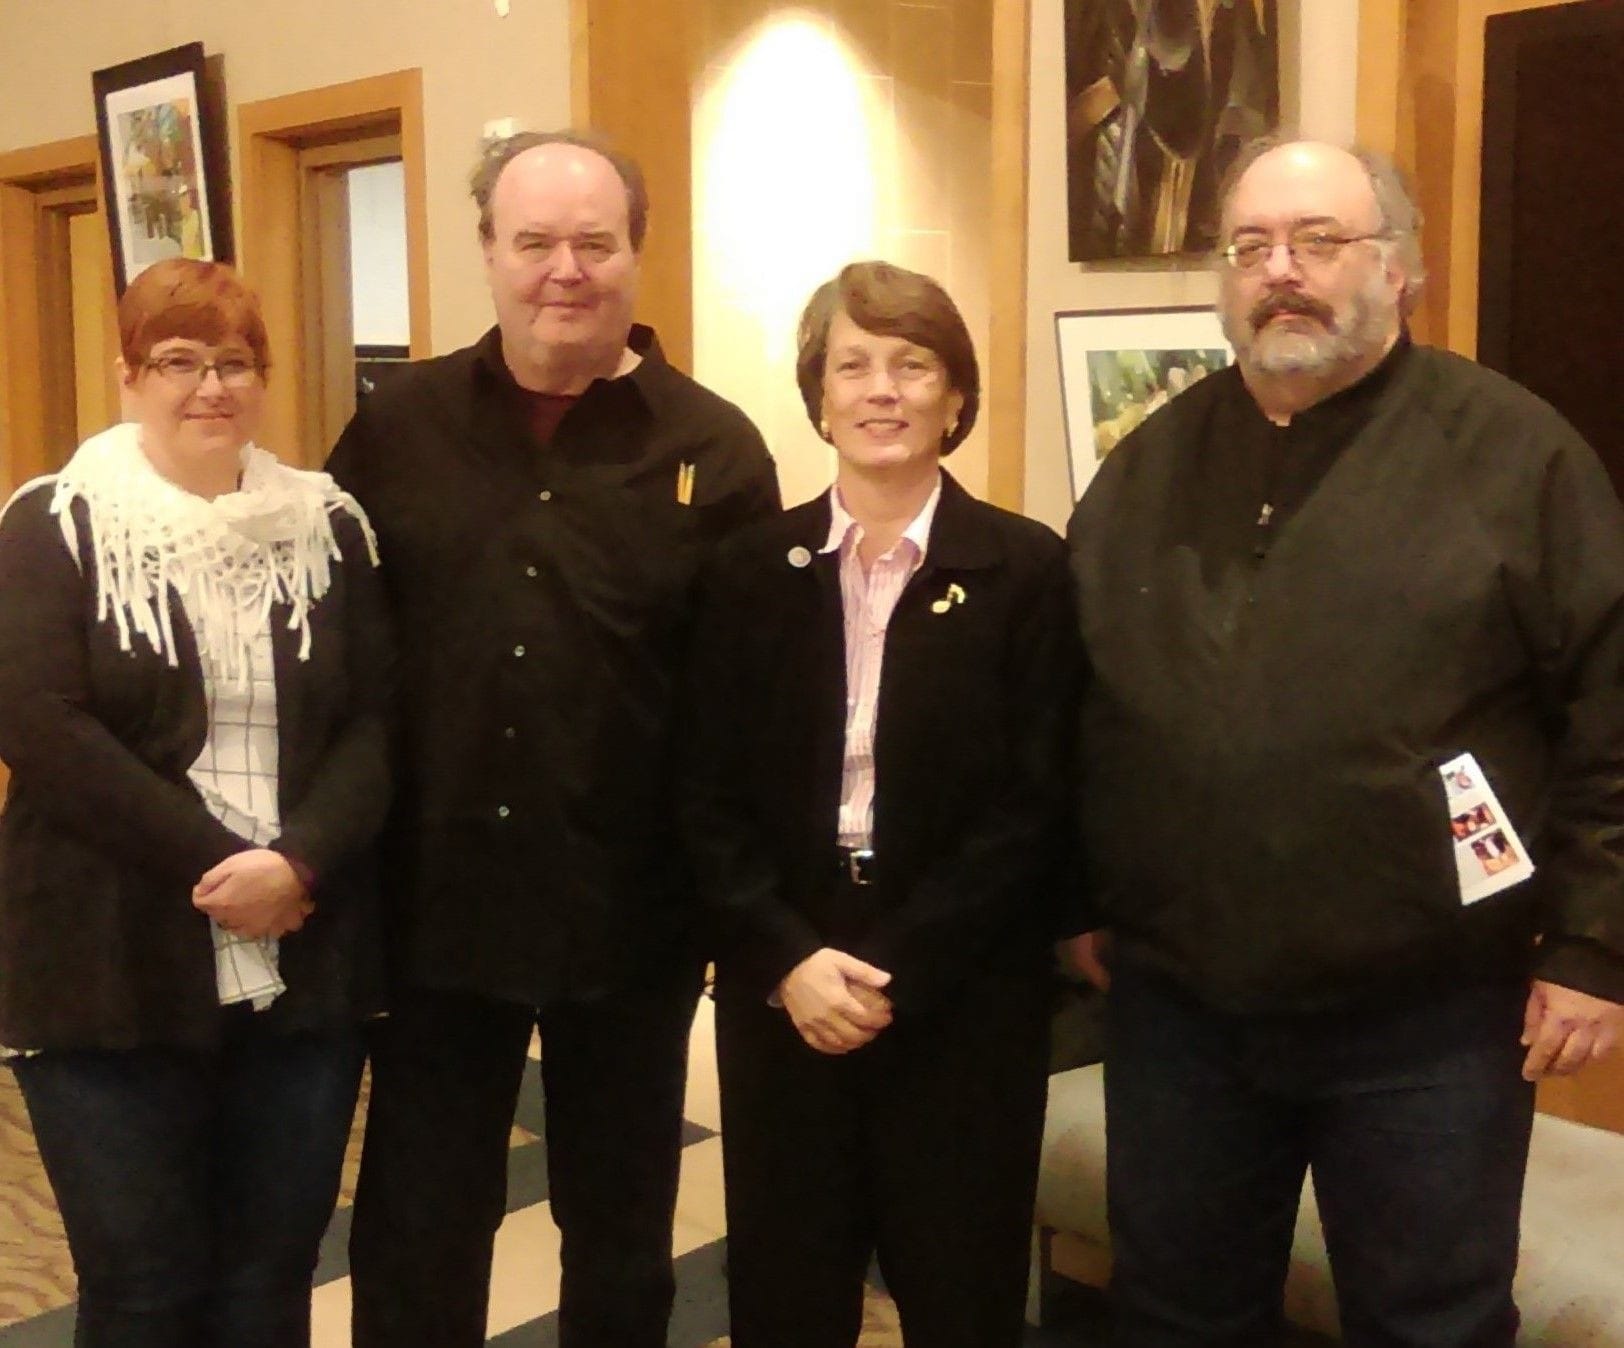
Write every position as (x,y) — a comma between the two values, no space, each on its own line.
(229,559)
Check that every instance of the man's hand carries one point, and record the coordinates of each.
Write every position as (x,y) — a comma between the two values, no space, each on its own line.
(834,1000)
(254,894)
(1090,956)
(1564,1029)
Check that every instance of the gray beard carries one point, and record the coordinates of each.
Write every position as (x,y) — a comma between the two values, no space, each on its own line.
(1279,351)
(1361,331)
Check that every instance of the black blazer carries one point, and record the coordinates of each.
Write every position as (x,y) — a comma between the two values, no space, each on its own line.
(972,752)
(103,835)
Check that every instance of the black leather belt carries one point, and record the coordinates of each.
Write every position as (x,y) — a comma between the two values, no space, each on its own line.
(856,864)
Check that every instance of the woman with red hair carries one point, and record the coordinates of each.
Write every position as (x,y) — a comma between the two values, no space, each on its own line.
(192,673)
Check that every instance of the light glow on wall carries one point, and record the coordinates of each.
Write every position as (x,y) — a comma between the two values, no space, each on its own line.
(786,192)
(786,176)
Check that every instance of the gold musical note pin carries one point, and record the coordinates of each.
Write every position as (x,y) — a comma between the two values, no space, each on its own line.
(954,595)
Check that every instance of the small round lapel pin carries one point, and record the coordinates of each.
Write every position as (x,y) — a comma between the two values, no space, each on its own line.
(799,556)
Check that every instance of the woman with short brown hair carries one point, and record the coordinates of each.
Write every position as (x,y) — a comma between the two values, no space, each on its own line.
(882,697)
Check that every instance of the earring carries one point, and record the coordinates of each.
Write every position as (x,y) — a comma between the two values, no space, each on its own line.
(952,426)
(823,427)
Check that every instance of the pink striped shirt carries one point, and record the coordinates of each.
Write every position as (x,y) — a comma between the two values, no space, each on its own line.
(867,602)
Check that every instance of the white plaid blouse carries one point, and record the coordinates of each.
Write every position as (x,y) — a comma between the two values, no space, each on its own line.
(236,774)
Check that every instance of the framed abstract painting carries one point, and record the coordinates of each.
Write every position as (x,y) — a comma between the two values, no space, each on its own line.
(161,161)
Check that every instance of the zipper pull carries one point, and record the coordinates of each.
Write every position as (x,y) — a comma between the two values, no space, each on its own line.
(1260,549)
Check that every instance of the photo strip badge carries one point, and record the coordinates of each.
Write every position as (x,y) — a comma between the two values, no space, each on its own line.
(1489,856)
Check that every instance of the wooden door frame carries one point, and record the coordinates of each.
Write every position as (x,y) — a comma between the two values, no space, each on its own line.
(272,223)
(25,175)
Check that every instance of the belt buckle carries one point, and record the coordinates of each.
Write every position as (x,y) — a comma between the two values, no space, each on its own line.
(859,865)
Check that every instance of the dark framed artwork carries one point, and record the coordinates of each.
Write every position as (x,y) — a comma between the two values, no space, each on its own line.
(1160,97)
(1550,273)
(1117,366)
(162,162)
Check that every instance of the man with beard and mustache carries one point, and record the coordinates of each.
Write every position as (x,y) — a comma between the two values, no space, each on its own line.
(1307,585)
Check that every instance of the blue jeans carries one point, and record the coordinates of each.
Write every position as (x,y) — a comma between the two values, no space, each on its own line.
(1415,1122)
(195,1186)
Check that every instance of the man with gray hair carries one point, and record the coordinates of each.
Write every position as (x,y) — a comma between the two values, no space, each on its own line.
(543,500)
(1354,610)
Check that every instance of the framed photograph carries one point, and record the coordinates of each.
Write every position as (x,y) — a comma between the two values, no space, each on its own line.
(1160,96)
(162,167)
(1117,366)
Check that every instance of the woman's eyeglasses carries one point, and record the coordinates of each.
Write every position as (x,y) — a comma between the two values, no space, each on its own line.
(183,369)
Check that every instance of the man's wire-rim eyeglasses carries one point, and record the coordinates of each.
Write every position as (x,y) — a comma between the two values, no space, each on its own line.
(1304,246)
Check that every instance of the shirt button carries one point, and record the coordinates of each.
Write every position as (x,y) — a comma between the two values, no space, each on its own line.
(518,652)
(502,811)
(545,496)
(510,733)
(530,571)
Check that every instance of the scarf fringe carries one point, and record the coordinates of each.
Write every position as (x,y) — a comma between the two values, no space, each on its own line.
(230,560)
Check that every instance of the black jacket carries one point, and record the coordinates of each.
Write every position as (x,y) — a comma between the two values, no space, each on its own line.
(541,599)
(972,753)
(1442,572)
(103,835)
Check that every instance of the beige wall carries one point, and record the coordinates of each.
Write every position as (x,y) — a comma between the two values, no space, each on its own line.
(825,133)
(476,66)
(1318,51)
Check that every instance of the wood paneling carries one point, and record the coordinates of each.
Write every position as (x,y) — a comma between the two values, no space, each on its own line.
(1595,1095)
(30,377)
(1006,358)
(635,62)
(1421,97)
(1381,66)
(95,323)
(326,284)
(60,373)
(39,187)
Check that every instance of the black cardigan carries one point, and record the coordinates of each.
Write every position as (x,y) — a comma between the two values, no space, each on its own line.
(103,836)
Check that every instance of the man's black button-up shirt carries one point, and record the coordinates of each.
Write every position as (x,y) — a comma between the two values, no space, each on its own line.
(541,596)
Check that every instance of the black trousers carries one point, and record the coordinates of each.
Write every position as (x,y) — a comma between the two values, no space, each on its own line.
(446,1070)
(920,1148)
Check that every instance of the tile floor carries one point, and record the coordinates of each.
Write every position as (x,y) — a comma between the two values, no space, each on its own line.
(36,1278)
